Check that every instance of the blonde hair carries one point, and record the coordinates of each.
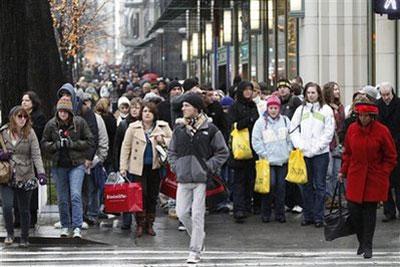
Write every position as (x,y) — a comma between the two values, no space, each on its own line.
(102,106)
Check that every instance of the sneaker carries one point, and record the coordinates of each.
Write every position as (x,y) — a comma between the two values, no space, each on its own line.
(297,209)
(23,244)
(193,258)
(77,233)
(64,232)
(8,240)
(57,225)
(85,226)
(181,227)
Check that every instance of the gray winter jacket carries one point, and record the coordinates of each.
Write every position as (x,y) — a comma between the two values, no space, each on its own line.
(194,158)
(102,149)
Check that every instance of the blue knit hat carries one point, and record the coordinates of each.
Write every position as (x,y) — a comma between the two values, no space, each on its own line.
(226,101)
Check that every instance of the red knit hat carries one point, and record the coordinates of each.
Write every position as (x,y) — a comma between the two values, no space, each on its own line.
(366,108)
(273,100)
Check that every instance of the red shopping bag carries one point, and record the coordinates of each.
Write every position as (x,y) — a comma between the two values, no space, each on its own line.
(169,185)
(126,197)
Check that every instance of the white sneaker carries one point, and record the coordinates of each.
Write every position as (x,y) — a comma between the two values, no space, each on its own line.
(77,233)
(297,209)
(193,257)
(181,227)
(85,226)
(57,225)
(64,232)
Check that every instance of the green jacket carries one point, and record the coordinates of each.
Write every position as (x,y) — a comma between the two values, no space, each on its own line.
(80,136)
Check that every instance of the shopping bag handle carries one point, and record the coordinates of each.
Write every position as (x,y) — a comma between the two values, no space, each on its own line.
(337,193)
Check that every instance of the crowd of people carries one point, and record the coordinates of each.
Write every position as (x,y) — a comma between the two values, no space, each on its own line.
(107,124)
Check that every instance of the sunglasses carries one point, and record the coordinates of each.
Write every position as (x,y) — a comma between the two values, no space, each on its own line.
(20,116)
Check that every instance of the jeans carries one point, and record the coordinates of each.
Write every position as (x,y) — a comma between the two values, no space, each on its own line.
(276,194)
(331,177)
(314,190)
(393,201)
(69,195)
(192,197)
(363,217)
(150,181)
(243,187)
(23,200)
(95,185)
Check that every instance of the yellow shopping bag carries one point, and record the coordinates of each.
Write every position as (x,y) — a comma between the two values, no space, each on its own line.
(241,144)
(262,184)
(297,170)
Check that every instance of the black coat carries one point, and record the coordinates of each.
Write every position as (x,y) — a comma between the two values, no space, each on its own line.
(389,115)
(164,112)
(38,122)
(91,121)
(111,126)
(289,106)
(215,112)
(119,138)
(244,113)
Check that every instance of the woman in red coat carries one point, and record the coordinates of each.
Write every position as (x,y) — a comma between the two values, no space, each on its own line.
(368,159)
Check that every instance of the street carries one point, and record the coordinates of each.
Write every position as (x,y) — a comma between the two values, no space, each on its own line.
(227,244)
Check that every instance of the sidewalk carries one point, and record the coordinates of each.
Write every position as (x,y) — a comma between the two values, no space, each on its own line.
(222,234)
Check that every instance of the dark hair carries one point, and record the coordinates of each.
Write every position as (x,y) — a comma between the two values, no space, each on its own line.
(153,109)
(319,91)
(297,89)
(26,130)
(328,94)
(36,103)
(298,80)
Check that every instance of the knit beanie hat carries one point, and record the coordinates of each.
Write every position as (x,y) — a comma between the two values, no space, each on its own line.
(195,100)
(226,101)
(123,100)
(64,104)
(284,83)
(174,84)
(370,91)
(273,100)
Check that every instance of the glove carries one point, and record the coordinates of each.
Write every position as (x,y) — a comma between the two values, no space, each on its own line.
(5,156)
(42,179)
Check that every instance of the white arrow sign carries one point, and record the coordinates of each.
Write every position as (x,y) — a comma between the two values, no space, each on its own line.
(390,4)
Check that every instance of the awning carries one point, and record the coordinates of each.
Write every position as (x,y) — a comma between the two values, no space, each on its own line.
(172,11)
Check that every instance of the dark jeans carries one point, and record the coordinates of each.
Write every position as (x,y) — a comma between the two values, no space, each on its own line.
(363,217)
(23,199)
(95,187)
(314,190)
(150,181)
(293,195)
(276,193)
(243,187)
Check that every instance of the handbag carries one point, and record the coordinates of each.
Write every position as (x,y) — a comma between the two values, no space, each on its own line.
(162,154)
(338,223)
(297,169)
(125,197)
(6,170)
(169,185)
(241,148)
(262,183)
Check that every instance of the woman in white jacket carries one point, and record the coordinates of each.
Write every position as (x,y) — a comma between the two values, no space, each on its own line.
(312,129)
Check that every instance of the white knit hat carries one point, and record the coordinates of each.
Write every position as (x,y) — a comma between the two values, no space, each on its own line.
(123,100)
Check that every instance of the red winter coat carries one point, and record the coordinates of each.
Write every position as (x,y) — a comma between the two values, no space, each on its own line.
(368,159)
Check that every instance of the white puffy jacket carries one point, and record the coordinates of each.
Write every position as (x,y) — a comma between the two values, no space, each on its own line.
(316,129)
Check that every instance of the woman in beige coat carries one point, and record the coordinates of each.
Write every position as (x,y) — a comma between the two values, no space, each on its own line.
(140,163)
(23,152)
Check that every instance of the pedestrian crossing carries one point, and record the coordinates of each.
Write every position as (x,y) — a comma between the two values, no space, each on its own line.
(166,258)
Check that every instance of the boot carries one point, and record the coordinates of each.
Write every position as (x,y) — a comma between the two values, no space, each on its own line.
(140,223)
(149,226)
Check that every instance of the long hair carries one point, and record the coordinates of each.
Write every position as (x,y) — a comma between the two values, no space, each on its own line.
(319,92)
(36,103)
(26,130)
(328,93)
(102,106)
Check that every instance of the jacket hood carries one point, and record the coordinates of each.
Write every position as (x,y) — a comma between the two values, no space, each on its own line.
(239,93)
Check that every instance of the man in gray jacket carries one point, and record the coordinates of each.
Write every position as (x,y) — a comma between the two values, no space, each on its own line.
(196,151)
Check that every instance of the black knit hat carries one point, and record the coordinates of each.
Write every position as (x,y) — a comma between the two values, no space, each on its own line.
(173,84)
(195,100)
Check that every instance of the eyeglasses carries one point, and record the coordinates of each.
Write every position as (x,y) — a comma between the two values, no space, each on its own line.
(20,116)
